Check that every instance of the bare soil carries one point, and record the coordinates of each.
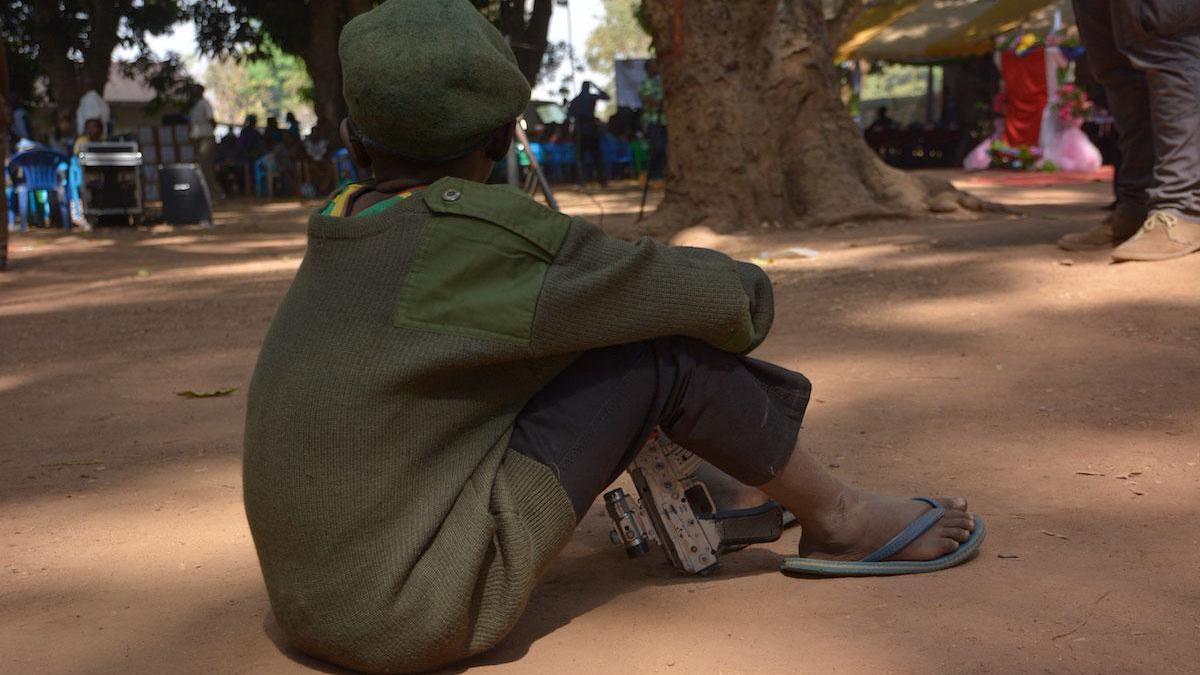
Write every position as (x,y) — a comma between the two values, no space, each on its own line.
(950,355)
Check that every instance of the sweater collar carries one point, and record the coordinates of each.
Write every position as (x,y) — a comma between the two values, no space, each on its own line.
(362,225)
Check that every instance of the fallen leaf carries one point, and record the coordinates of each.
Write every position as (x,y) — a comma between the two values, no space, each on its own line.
(143,272)
(206,394)
(75,462)
(1066,262)
(1048,533)
(1127,476)
(1007,556)
(1136,491)
(1088,473)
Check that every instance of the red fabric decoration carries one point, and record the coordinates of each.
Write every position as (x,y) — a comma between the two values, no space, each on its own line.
(1025,85)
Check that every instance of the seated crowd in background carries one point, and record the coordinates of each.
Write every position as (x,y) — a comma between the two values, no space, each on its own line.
(276,156)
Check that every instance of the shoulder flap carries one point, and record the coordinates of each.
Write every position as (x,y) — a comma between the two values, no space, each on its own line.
(503,206)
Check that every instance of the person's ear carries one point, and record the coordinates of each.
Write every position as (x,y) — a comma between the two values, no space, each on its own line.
(502,138)
(354,144)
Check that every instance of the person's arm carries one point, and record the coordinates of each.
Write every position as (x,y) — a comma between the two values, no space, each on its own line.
(495,264)
(603,291)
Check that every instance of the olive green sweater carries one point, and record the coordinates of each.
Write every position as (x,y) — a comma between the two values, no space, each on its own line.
(396,530)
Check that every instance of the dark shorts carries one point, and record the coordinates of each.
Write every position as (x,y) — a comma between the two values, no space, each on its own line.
(740,414)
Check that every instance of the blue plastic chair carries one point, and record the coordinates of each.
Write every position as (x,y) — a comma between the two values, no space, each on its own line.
(566,158)
(616,153)
(39,171)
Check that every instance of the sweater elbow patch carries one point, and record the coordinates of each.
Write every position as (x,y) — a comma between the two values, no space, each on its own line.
(471,277)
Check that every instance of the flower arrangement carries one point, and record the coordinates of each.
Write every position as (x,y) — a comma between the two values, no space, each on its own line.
(1023,158)
(1073,105)
(1023,43)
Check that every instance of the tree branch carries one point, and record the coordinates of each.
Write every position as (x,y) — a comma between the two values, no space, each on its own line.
(836,27)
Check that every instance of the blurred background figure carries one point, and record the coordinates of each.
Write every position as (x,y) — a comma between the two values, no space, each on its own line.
(582,110)
(91,105)
(201,129)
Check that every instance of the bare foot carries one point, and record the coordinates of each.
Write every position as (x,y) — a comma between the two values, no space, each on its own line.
(858,523)
(727,493)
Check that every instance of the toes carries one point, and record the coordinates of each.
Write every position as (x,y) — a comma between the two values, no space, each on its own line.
(958,520)
(957,534)
(952,503)
(949,545)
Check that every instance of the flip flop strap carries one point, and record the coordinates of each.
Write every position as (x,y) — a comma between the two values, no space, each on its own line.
(909,534)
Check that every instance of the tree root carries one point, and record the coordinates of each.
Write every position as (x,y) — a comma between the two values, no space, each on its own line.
(943,197)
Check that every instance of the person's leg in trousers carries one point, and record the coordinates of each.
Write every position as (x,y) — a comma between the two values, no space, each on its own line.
(1129,103)
(1172,67)
(597,157)
(739,414)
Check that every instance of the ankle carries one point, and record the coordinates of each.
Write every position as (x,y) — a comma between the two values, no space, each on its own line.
(830,517)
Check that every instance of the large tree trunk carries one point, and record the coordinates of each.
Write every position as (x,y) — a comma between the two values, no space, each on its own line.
(322,62)
(325,68)
(527,35)
(62,74)
(758,133)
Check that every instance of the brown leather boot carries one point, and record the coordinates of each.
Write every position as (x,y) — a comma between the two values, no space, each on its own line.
(1118,226)
(1164,235)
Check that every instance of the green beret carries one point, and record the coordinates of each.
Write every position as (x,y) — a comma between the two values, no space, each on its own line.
(428,79)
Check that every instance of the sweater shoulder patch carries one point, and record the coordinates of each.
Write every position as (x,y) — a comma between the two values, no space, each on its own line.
(481,263)
(502,206)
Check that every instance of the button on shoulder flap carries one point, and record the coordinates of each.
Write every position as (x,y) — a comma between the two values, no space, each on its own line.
(481,263)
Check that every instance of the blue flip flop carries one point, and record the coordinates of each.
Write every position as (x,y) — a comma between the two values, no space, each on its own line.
(877,564)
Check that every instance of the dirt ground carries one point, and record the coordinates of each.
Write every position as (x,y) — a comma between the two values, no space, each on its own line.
(951,355)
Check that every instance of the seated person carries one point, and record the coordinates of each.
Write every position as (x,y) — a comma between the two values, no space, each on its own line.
(93,131)
(882,122)
(287,154)
(457,372)
(318,166)
(231,165)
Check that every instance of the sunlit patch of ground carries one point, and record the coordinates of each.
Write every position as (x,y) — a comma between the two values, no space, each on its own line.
(1060,393)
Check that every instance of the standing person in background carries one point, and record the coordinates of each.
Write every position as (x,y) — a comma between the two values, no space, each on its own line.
(91,106)
(1146,53)
(272,134)
(293,125)
(655,119)
(201,129)
(250,142)
(19,128)
(582,109)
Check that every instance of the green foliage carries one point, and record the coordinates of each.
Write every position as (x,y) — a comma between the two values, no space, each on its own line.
(272,84)
(168,78)
(620,35)
(897,81)
(79,33)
